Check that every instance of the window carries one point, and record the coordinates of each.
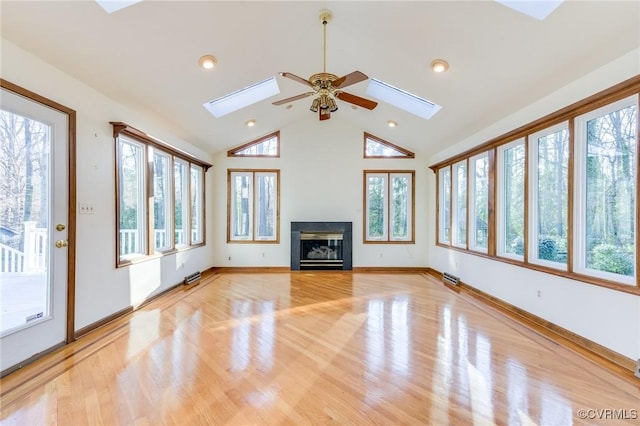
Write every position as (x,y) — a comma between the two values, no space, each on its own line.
(132,206)
(180,204)
(197,205)
(549,196)
(511,199)
(254,205)
(388,208)
(459,205)
(154,184)
(374,147)
(606,213)
(444,215)
(162,226)
(266,146)
(556,195)
(479,203)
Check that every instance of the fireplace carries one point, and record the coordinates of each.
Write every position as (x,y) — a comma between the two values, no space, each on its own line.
(321,245)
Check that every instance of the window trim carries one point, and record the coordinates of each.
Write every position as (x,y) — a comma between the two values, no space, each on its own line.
(253,239)
(121,129)
(627,89)
(387,239)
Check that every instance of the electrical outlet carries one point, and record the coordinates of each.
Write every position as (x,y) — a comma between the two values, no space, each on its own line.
(229,257)
(539,294)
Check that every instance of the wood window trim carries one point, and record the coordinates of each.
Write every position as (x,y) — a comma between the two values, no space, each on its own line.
(229,205)
(413,206)
(233,152)
(407,154)
(125,129)
(627,88)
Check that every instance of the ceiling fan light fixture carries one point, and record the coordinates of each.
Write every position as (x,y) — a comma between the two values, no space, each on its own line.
(439,65)
(315,105)
(208,62)
(324,102)
(333,107)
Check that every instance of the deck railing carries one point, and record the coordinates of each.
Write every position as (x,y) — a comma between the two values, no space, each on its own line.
(129,239)
(34,256)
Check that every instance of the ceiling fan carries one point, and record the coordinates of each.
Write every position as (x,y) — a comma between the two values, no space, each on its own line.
(326,86)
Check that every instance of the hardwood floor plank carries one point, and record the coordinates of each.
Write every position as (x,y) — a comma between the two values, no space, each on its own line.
(316,348)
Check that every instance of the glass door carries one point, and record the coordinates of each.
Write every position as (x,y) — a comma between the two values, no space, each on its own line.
(34,243)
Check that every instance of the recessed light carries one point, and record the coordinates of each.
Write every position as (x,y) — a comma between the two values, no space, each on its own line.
(208,62)
(439,65)
(392,123)
(250,123)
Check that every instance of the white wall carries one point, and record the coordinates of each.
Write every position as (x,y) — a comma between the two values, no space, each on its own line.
(321,179)
(101,289)
(608,317)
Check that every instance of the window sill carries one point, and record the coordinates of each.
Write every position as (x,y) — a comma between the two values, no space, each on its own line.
(612,285)
(122,263)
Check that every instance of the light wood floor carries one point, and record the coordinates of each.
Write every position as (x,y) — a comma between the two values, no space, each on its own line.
(316,348)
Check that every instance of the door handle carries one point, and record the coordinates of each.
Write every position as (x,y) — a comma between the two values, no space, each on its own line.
(60,227)
(62,243)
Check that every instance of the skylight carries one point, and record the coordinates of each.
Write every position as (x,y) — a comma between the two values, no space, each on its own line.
(538,9)
(243,97)
(401,99)
(111,6)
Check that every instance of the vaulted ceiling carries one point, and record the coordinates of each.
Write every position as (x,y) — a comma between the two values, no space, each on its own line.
(146,57)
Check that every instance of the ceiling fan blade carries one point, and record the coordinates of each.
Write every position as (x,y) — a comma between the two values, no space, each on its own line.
(296,78)
(349,79)
(293,98)
(324,114)
(356,100)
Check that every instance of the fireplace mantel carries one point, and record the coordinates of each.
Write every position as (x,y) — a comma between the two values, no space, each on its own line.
(344,228)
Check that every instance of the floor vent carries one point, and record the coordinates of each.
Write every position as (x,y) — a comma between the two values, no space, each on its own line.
(450,279)
(193,278)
